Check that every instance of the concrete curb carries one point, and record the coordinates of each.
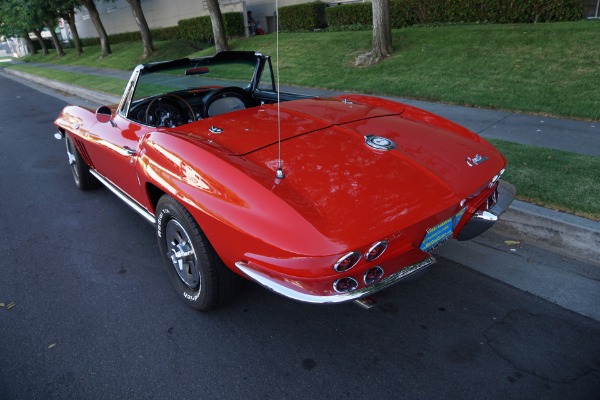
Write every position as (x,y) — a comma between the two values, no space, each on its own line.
(574,236)
(91,95)
(564,233)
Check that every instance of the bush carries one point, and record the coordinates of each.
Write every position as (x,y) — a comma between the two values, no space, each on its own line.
(168,33)
(350,15)
(495,11)
(410,12)
(199,29)
(38,46)
(303,17)
(91,41)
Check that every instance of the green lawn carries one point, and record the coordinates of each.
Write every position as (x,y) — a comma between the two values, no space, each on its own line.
(552,178)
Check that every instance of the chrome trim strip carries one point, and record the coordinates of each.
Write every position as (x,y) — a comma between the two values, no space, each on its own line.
(296,294)
(123,196)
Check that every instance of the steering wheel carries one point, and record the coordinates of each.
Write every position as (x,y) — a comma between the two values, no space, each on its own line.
(170,105)
(225,100)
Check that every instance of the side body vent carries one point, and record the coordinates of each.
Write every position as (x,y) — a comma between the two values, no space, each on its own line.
(84,154)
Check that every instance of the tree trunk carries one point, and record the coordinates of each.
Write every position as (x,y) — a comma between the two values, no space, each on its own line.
(71,21)
(382,35)
(382,28)
(59,50)
(218,27)
(140,20)
(29,42)
(38,35)
(95,17)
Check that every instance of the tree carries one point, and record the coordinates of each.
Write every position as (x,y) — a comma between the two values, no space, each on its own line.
(50,23)
(138,14)
(30,46)
(382,35)
(38,35)
(44,13)
(95,17)
(218,27)
(14,22)
(66,10)
(68,15)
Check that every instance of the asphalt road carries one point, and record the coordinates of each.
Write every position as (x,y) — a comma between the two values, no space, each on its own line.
(93,315)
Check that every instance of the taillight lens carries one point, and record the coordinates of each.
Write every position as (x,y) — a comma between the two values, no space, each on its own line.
(373,275)
(376,250)
(348,261)
(345,285)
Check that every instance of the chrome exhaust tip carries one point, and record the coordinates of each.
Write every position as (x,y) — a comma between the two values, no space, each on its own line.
(58,135)
(366,302)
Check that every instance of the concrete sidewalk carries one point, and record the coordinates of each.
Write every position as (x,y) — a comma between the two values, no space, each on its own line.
(571,235)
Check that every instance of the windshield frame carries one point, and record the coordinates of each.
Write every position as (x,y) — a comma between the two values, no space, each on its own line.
(259,60)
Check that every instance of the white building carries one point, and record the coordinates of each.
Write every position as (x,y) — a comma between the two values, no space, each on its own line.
(117,16)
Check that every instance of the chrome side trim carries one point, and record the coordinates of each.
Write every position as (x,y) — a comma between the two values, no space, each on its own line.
(123,196)
(296,294)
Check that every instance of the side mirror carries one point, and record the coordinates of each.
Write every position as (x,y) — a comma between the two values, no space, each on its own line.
(103,114)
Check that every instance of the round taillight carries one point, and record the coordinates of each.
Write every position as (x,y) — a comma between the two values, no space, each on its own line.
(345,285)
(373,275)
(346,262)
(376,250)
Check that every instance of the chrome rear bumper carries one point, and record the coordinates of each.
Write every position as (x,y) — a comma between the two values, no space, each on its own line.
(483,220)
(296,293)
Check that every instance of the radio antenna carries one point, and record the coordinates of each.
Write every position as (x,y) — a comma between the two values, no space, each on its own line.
(279,174)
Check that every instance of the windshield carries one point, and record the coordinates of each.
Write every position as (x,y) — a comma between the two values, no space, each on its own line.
(197,74)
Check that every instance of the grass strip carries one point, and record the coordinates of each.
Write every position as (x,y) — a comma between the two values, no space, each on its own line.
(125,56)
(100,83)
(554,179)
(104,84)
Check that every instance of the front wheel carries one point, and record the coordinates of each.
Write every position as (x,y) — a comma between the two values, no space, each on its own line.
(199,276)
(84,180)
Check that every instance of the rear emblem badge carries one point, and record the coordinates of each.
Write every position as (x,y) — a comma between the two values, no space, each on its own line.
(471,162)
(379,142)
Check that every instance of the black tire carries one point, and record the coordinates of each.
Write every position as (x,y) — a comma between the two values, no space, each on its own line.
(199,276)
(84,180)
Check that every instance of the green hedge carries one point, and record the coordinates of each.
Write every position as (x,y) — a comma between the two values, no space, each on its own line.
(38,46)
(350,14)
(200,29)
(409,12)
(194,29)
(168,33)
(496,11)
(303,17)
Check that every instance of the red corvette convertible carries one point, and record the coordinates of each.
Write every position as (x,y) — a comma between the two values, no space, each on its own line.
(321,200)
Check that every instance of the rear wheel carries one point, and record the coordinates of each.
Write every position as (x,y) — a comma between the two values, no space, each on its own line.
(199,276)
(84,180)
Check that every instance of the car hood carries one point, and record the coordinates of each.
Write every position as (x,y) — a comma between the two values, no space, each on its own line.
(336,181)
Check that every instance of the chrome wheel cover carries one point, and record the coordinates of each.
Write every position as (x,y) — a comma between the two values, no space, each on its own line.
(182,254)
(71,156)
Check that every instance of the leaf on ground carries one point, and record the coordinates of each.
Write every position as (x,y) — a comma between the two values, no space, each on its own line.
(51,345)
(512,242)
(2,304)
